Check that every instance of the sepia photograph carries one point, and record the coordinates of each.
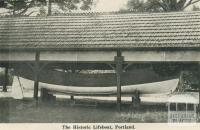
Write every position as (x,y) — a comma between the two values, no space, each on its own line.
(100,64)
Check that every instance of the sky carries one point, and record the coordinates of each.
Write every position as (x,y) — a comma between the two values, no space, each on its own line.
(110,5)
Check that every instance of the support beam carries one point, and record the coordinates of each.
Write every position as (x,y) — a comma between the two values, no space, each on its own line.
(199,87)
(119,62)
(36,75)
(73,71)
(127,66)
(36,86)
(72,97)
(199,102)
(6,80)
(36,68)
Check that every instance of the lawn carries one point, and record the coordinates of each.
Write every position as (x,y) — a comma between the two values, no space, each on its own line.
(83,111)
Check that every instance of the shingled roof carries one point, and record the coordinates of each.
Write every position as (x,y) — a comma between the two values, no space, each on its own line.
(101,31)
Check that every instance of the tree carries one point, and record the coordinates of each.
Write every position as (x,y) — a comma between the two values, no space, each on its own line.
(160,5)
(16,7)
(20,7)
(136,5)
(73,4)
(195,8)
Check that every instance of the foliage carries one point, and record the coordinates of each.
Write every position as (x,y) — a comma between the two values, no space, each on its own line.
(73,4)
(195,8)
(20,7)
(159,5)
(17,7)
(136,5)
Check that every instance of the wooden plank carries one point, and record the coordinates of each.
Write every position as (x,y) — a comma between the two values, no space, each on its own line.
(145,56)
(139,76)
(17,56)
(77,56)
(182,56)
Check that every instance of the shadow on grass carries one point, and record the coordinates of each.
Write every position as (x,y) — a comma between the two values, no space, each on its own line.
(4,110)
(79,111)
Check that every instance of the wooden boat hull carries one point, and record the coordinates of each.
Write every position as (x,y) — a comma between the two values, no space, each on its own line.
(163,87)
(139,76)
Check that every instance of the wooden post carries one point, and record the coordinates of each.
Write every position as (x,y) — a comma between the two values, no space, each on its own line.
(36,75)
(5,83)
(72,97)
(118,62)
(73,71)
(199,102)
(36,84)
(199,87)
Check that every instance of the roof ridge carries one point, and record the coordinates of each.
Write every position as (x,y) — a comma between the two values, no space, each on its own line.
(125,12)
(112,13)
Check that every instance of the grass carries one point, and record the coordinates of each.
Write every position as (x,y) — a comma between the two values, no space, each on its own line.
(62,111)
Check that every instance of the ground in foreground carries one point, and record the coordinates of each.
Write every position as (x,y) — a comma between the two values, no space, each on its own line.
(84,111)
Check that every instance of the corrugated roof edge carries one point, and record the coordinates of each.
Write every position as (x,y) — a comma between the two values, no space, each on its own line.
(109,13)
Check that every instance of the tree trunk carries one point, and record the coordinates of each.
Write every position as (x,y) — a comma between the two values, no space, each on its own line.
(49,8)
